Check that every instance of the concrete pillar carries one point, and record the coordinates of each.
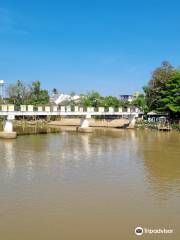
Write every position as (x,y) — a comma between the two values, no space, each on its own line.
(55,108)
(8,128)
(81,109)
(76,109)
(62,108)
(47,109)
(30,108)
(128,110)
(4,108)
(10,108)
(85,125)
(40,108)
(132,121)
(101,109)
(23,108)
(120,109)
(111,109)
(88,109)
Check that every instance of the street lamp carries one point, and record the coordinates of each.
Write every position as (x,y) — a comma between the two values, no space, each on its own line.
(1,88)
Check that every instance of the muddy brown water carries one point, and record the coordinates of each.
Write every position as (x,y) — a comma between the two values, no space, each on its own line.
(73,186)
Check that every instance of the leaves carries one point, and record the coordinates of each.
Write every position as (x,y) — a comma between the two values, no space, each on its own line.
(19,93)
(162,92)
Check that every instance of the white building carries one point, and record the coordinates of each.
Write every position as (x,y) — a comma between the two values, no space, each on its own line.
(65,97)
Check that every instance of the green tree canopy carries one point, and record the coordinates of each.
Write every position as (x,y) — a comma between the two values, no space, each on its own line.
(170,94)
(159,77)
(91,99)
(110,101)
(141,102)
(38,96)
(163,91)
(20,93)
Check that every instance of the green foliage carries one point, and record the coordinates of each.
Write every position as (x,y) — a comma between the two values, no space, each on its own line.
(163,90)
(91,99)
(170,94)
(38,96)
(159,77)
(141,102)
(94,99)
(110,101)
(19,93)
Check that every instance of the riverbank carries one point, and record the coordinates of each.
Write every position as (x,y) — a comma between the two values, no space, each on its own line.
(157,126)
(112,123)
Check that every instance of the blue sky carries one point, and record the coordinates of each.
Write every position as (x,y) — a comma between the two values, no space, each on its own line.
(109,46)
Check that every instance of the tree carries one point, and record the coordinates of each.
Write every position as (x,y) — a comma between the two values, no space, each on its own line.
(170,94)
(110,101)
(159,77)
(38,96)
(140,102)
(18,93)
(91,99)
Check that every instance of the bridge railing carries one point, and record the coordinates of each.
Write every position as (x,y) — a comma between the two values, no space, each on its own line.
(55,108)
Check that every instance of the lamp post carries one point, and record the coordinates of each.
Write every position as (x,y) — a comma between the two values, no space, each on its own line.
(1,88)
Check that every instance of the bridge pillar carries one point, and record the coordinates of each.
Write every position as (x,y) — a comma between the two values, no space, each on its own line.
(85,125)
(8,129)
(132,120)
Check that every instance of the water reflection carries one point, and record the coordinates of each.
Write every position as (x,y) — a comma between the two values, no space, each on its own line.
(155,153)
(160,152)
(10,157)
(34,152)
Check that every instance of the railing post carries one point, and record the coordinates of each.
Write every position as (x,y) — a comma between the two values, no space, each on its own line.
(47,109)
(76,108)
(30,108)
(120,109)
(62,108)
(111,109)
(101,109)
(23,108)
(10,108)
(40,108)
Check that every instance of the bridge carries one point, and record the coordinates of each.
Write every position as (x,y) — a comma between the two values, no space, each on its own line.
(30,110)
(10,112)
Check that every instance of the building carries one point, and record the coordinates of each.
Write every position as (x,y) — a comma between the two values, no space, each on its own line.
(59,99)
(128,97)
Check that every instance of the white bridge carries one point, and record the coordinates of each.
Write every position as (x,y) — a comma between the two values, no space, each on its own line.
(9,111)
(31,110)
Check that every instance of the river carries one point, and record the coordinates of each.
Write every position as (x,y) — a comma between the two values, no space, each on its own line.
(98,186)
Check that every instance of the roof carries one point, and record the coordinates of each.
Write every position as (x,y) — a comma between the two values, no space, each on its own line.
(156,113)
